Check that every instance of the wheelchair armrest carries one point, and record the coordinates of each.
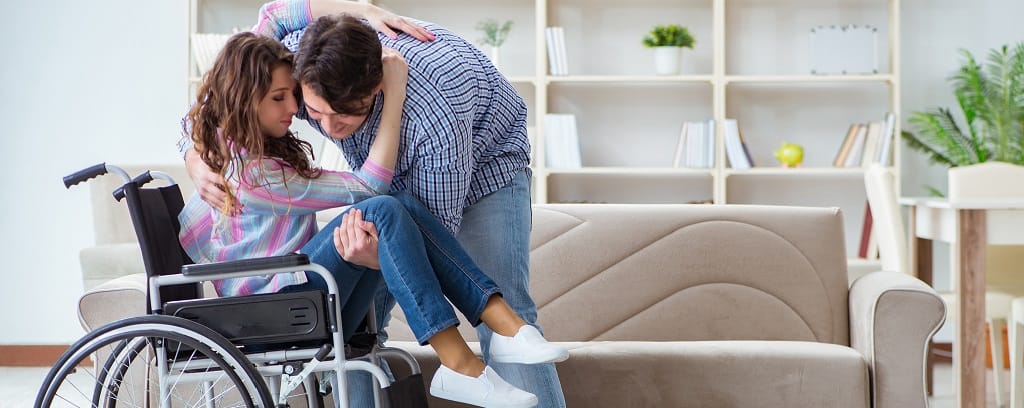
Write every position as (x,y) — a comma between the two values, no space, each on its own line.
(252,264)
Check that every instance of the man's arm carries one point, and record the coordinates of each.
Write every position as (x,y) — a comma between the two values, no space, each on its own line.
(279,18)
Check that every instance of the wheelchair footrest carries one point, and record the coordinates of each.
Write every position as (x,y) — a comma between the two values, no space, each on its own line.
(265,321)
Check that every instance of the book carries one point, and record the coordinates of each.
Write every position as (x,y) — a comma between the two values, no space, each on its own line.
(872,140)
(734,150)
(844,148)
(563,58)
(857,149)
(709,144)
(680,144)
(865,233)
(555,40)
(888,138)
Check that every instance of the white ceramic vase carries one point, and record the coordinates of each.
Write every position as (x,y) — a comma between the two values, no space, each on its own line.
(496,56)
(666,60)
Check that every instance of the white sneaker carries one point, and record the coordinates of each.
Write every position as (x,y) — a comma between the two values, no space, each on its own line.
(487,390)
(528,346)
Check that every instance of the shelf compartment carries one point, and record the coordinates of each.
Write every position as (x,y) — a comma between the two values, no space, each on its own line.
(630,188)
(518,53)
(604,37)
(772,38)
(816,116)
(630,125)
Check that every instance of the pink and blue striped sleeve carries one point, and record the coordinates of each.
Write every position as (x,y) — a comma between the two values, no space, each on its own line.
(280,17)
(280,190)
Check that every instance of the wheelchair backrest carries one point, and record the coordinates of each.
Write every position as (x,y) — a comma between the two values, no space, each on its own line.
(154,212)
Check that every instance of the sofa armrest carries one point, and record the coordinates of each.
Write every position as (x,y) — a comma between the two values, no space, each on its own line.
(892,318)
(113,300)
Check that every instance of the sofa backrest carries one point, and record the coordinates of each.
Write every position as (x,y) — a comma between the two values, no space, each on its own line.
(111,222)
(689,272)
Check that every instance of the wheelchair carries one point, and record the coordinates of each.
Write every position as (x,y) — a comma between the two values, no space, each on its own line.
(246,351)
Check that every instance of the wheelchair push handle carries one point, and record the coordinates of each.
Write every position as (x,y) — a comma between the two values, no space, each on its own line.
(142,179)
(95,170)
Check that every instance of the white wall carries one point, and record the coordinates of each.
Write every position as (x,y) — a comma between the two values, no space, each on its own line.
(83,82)
(105,81)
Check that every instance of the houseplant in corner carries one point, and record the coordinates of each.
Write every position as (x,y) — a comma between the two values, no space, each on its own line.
(668,42)
(991,98)
(494,34)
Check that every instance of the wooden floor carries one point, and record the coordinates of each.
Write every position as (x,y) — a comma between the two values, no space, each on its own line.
(18,386)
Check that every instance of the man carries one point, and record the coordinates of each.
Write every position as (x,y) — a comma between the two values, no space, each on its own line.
(464,150)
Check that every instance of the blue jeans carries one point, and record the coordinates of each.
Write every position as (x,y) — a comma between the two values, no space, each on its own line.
(421,263)
(495,231)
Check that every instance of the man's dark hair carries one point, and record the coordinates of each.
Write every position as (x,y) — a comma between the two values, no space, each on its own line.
(339,58)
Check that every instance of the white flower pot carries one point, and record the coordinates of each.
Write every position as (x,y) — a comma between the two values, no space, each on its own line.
(666,60)
(495,54)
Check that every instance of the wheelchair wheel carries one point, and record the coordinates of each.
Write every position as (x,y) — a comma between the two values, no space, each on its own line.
(153,361)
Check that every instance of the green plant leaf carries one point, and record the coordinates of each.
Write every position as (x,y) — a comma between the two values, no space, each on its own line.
(672,35)
(991,98)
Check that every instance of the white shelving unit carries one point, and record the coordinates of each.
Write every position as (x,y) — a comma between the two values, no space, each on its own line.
(750,62)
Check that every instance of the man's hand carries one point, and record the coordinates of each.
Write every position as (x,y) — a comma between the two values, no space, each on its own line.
(356,240)
(386,22)
(209,184)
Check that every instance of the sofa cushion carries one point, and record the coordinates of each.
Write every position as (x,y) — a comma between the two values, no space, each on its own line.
(716,374)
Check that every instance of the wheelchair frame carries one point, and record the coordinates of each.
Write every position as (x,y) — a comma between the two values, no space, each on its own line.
(281,370)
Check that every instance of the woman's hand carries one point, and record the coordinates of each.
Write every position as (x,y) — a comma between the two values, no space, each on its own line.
(356,240)
(396,73)
(386,22)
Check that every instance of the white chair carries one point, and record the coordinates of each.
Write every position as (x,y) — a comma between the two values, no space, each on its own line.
(893,251)
(994,182)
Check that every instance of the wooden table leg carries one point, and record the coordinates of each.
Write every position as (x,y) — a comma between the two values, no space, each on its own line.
(920,254)
(969,347)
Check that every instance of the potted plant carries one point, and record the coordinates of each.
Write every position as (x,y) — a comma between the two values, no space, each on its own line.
(668,42)
(991,99)
(494,34)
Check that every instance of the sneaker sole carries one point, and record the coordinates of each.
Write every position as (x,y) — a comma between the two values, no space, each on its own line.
(553,357)
(495,404)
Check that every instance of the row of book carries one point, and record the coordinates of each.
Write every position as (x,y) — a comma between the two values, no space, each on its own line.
(867,143)
(696,145)
(561,142)
(558,64)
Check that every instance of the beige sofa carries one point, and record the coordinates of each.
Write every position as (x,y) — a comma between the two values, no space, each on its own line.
(700,306)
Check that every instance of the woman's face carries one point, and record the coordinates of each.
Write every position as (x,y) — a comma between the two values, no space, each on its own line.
(278,106)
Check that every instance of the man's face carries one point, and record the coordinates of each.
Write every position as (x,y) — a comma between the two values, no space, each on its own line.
(337,125)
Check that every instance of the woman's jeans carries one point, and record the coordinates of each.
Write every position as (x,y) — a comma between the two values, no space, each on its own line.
(421,263)
(495,231)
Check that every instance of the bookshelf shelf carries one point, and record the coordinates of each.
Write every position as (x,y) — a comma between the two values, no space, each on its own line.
(788,79)
(750,63)
(664,171)
(630,78)
(807,171)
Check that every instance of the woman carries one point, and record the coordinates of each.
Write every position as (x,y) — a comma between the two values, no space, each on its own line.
(240,129)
